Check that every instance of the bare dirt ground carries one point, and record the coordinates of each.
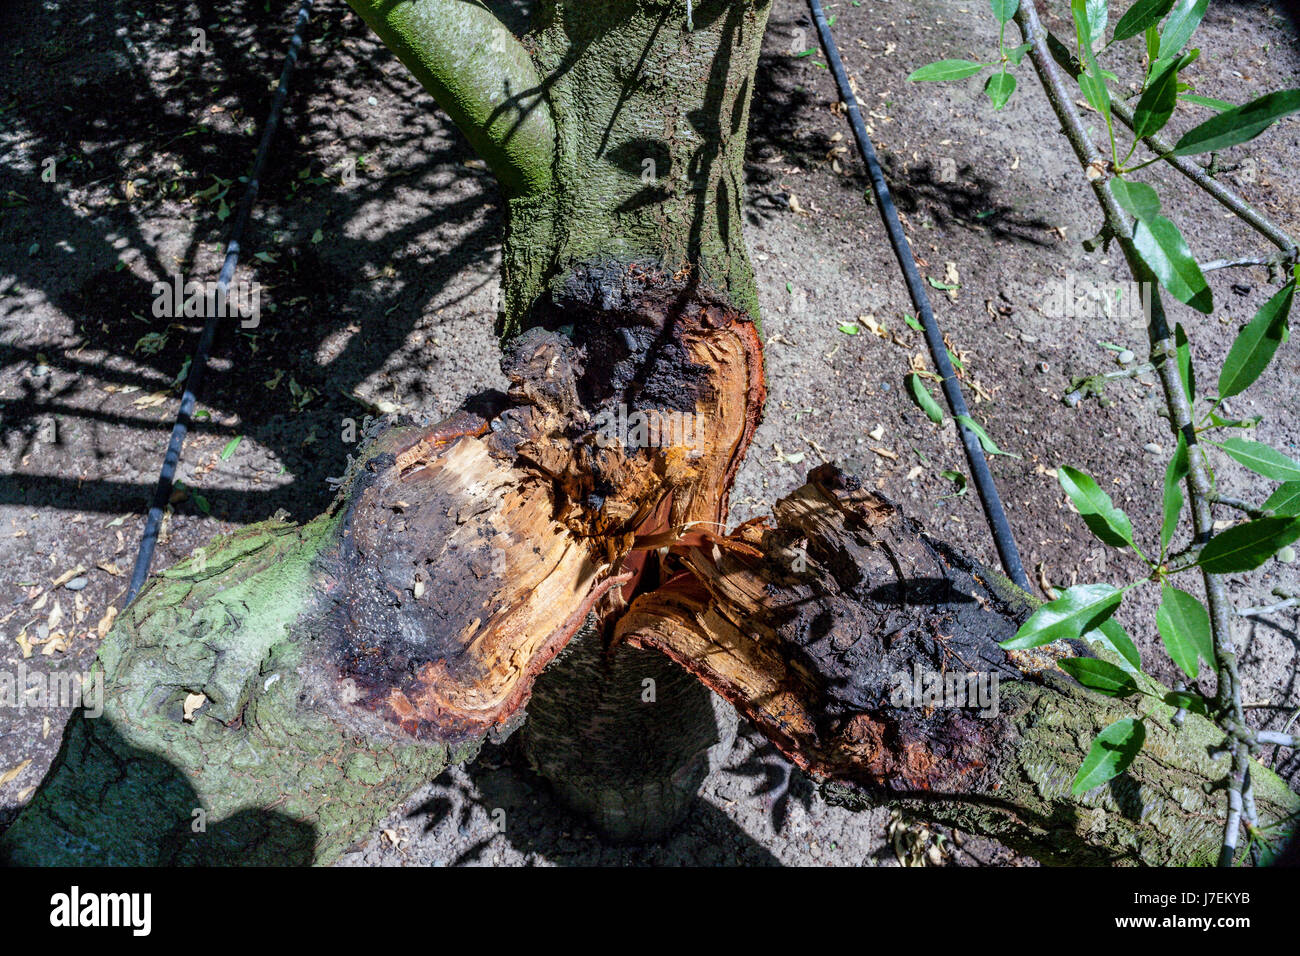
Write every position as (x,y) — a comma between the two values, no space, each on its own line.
(379,288)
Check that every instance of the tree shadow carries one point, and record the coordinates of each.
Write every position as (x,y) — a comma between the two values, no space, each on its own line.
(109,123)
(137,809)
(789,92)
(532,822)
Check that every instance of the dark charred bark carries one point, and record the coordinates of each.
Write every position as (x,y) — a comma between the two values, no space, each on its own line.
(814,628)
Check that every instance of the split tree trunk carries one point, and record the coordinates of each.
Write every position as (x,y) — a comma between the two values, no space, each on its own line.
(273,704)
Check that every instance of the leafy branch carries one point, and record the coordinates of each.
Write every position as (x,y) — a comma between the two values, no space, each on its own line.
(1158,257)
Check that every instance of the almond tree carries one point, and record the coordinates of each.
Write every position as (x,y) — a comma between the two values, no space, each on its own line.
(272,701)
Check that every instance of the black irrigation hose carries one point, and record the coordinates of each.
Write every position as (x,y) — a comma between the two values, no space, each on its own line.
(163,492)
(984,485)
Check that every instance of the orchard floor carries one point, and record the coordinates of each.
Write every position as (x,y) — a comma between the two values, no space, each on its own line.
(376,244)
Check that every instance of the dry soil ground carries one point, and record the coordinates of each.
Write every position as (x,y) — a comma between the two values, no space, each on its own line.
(378,288)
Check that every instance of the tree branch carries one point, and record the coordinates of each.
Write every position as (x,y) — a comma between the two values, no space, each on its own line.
(1192,170)
(481,75)
(1163,355)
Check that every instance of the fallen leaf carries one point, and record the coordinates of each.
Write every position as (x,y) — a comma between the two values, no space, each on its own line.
(192,703)
(11,774)
(106,623)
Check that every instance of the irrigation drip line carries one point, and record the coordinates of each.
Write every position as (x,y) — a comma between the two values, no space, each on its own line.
(983,478)
(163,492)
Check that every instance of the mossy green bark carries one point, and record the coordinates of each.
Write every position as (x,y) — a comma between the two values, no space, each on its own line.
(616,132)
(651,121)
(1166,809)
(268,770)
(481,75)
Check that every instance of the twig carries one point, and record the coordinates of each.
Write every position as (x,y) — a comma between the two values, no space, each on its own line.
(1193,171)
(1240,505)
(1277,260)
(1093,384)
(1268,609)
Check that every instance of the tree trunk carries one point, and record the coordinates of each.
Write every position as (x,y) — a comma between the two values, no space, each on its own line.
(273,701)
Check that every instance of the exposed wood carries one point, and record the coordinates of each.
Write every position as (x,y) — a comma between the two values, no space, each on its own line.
(819,627)
(341,664)
(472,552)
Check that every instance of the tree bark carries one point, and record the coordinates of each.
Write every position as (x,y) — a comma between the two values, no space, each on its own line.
(270,701)
(818,629)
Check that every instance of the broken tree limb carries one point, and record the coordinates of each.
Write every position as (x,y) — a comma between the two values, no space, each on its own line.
(821,629)
(271,699)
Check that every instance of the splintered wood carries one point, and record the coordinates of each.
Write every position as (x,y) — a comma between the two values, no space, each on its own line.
(471,552)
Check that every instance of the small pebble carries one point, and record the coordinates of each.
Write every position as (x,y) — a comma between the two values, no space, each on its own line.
(1044,367)
(372,101)
(1026,337)
(1286,555)
(76,584)
(1125,358)
(1153,447)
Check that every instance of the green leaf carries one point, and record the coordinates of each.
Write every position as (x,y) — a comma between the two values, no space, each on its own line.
(1208,101)
(1098,12)
(201,503)
(1005,10)
(1182,23)
(985,441)
(1183,353)
(1239,124)
(1137,199)
(999,88)
(1079,610)
(1162,246)
(913,322)
(1095,92)
(1285,500)
(231,446)
(1157,102)
(1175,473)
(1262,459)
(921,395)
(1082,27)
(1187,700)
(1016,54)
(1256,343)
(1101,676)
(946,70)
(1113,750)
(848,328)
(1110,633)
(1244,547)
(1138,17)
(1184,626)
(1098,511)
(1090,18)
(958,479)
